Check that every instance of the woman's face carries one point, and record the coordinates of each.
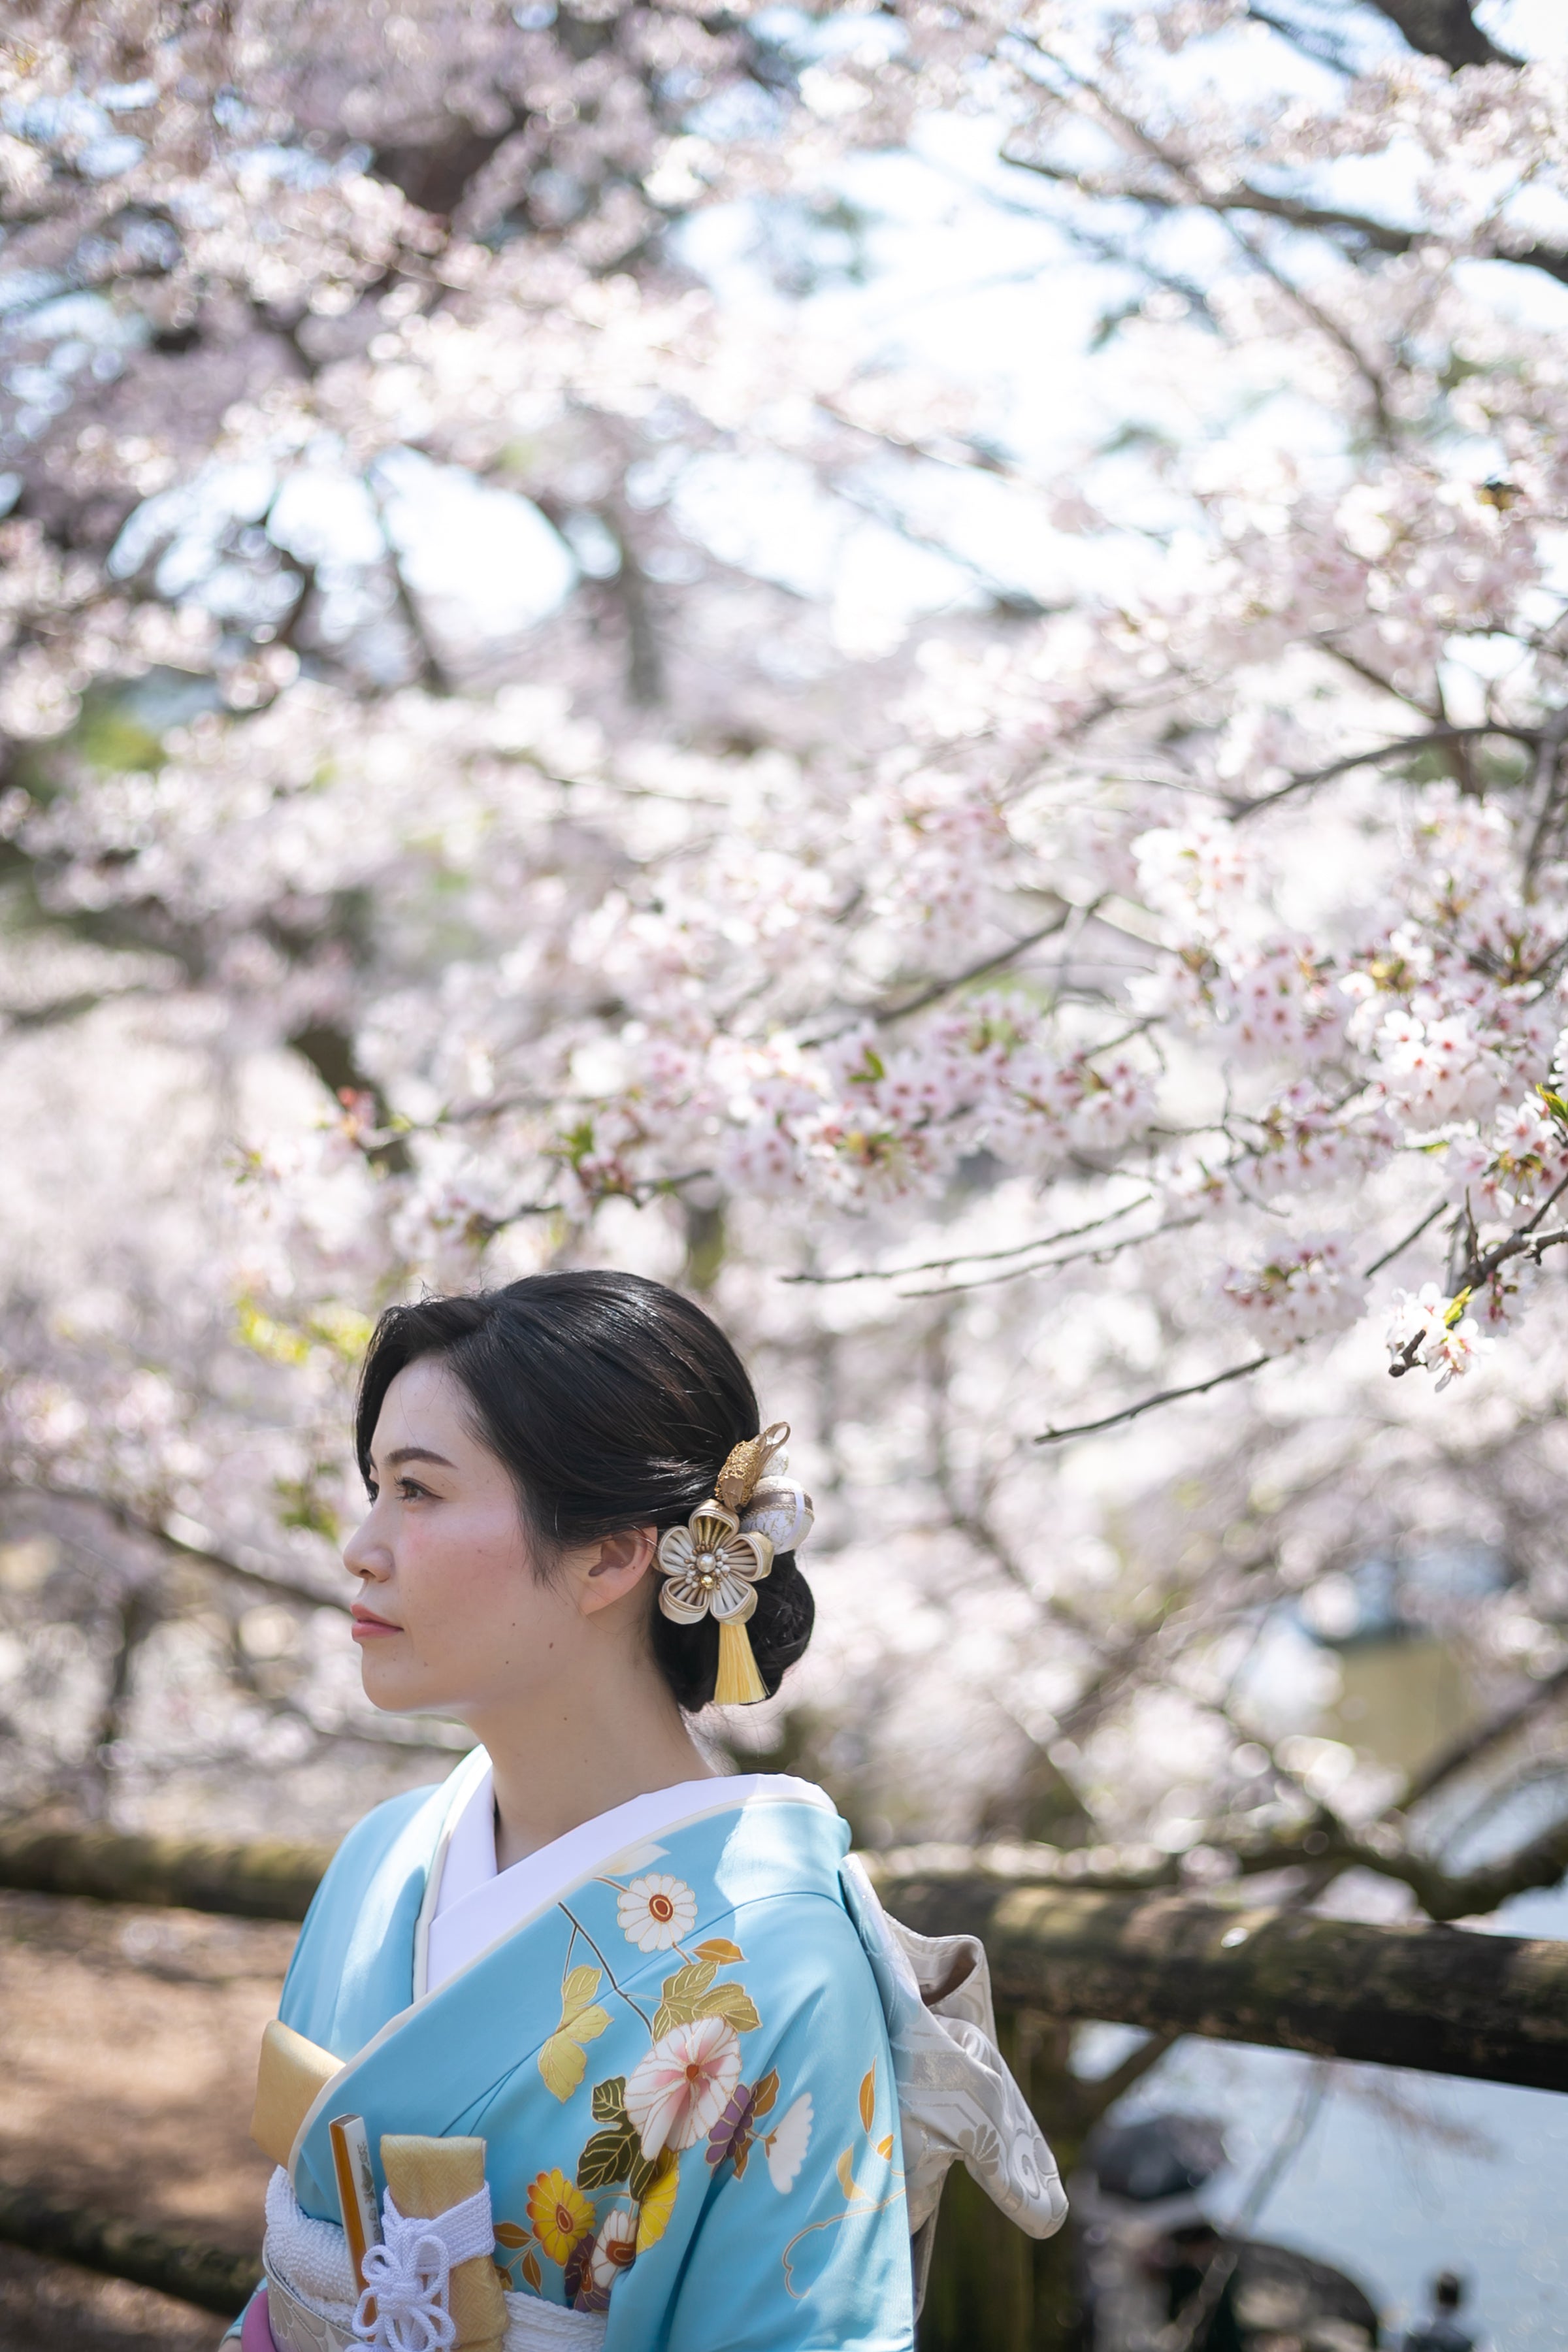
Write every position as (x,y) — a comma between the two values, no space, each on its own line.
(451,1618)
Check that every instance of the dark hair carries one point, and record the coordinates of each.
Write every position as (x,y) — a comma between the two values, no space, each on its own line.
(613,1401)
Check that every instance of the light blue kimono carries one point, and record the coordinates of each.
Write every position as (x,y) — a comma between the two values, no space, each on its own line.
(679,2065)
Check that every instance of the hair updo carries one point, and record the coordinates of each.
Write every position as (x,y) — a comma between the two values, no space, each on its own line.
(613,1401)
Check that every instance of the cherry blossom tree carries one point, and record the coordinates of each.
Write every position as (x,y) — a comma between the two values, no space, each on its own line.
(1082,1051)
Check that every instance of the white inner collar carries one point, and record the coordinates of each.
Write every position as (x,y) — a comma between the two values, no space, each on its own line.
(475,1904)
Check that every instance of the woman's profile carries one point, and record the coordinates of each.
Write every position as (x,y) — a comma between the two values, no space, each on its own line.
(593,2044)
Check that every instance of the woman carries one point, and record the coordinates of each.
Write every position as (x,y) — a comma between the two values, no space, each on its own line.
(603,2047)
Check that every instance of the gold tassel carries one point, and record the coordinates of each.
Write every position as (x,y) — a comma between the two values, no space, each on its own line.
(739,1682)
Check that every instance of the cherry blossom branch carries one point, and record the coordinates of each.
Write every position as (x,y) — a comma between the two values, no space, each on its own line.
(1402,746)
(1222,206)
(1241,197)
(884,1016)
(1161,1396)
(1526,1241)
(1443,1895)
(1426,27)
(1401,1246)
(971,1257)
(1099,1252)
(936,989)
(1324,319)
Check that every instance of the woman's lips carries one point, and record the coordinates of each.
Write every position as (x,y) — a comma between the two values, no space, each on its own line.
(367,1625)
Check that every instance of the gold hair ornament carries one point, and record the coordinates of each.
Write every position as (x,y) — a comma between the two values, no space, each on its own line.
(712,1565)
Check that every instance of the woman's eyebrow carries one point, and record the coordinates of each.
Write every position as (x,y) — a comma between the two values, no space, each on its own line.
(402,1454)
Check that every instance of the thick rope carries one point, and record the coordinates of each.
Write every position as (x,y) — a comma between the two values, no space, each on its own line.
(407,2278)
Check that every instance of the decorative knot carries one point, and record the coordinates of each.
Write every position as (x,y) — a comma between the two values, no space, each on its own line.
(407,2279)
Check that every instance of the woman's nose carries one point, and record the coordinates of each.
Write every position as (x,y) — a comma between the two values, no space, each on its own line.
(365,1554)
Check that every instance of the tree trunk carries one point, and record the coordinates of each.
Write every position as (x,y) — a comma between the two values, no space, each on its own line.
(1443,2000)
(991,2289)
(264,1878)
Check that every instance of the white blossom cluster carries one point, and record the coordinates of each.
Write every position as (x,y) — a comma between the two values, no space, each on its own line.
(1007,1021)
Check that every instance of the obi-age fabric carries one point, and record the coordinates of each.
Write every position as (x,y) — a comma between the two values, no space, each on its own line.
(677,2056)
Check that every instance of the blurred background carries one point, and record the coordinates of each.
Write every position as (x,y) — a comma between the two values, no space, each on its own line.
(904,665)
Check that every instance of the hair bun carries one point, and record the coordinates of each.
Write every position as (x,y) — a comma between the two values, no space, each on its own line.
(779,1627)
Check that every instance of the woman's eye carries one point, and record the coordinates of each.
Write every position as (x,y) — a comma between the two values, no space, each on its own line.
(412,1491)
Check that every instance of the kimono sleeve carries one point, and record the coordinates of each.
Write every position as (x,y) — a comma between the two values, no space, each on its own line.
(803,2241)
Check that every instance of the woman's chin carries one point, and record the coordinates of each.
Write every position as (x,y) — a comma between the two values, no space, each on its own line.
(393,1691)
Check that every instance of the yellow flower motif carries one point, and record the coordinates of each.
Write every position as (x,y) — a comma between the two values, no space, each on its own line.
(654,2213)
(561,2215)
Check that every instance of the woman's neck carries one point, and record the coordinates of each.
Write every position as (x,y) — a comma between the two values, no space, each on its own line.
(580,1752)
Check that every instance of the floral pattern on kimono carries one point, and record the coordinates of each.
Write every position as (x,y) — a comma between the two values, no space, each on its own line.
(680,2067)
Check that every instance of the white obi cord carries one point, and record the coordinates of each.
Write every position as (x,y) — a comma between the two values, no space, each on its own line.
(407,2277)
(313,2291)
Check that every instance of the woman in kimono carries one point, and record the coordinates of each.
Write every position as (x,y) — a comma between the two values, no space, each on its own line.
(592,2045)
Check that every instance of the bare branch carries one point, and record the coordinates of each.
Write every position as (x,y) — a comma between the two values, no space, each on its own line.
(973,1257)
(1400,1247)
(1402,747)
(1445,30)
(1544,794)
(997,963)
(1241,198)
(1098,1252)
(1148,1403)
(1101,2094)
(1471,1746)
(884,1015)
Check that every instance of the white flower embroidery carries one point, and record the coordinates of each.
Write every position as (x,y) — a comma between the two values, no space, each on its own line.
(615,2249)
(656,1912)
(786,2143)
(682,2088)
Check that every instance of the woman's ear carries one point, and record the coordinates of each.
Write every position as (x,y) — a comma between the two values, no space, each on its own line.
(605,1571)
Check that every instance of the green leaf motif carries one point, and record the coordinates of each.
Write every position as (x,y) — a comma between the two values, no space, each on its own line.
(682,1992)
(643,2174)
(609,2100)
(731,2001)
(608,2158)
